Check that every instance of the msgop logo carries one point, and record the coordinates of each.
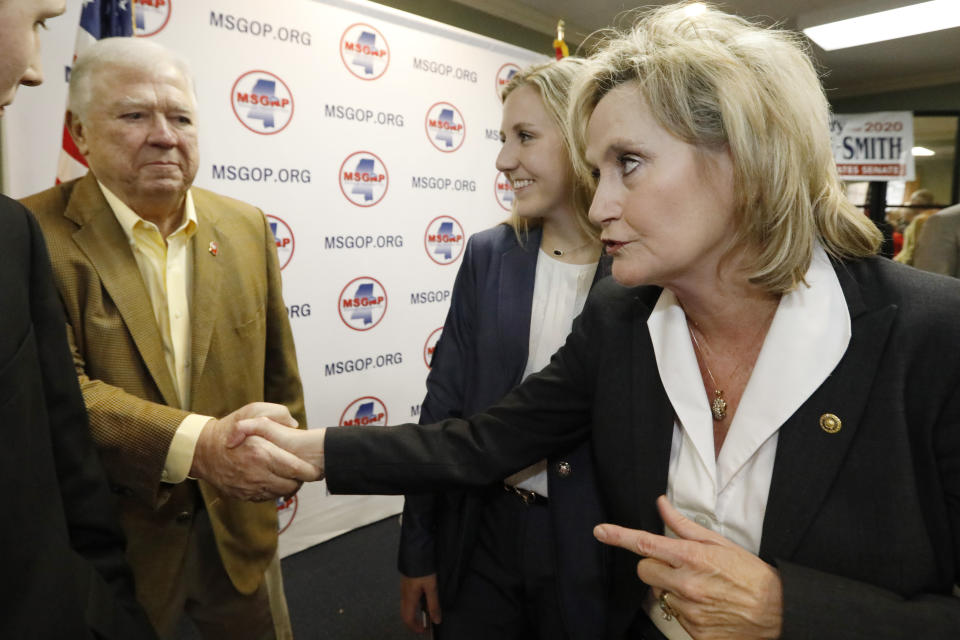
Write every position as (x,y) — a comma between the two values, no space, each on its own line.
(431,345)
(445,127)
(443,240)
(283,235)
(504,191)
(504,75)
(364,412)
(362,303)
(262,102)
(286,510)
(364,179)
(150,16)
(364,51)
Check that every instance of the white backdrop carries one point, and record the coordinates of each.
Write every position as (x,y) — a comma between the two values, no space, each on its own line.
(369,136)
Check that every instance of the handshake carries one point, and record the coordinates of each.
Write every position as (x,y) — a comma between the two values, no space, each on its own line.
(257,453)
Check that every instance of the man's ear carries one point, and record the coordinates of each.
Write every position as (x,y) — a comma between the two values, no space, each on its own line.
(77,132)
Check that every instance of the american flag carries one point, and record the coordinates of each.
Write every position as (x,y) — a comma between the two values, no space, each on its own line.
(98,19)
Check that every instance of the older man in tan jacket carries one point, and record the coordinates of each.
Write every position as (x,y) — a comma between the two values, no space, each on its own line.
(177,324)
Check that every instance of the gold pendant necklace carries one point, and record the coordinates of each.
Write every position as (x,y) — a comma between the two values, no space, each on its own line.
(718,407)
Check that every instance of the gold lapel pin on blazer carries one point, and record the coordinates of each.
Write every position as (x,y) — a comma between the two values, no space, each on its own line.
(214,248)
(830,423)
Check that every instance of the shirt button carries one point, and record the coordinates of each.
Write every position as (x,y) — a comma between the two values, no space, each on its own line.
(703,521)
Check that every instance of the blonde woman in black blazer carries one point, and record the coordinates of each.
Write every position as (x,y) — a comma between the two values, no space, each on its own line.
(774,411)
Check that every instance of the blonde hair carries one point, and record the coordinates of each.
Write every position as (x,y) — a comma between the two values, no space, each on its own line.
(717,81)
(553,81)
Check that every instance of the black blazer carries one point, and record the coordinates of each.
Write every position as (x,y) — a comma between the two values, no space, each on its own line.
(863,524)
(62,549)
(481,355)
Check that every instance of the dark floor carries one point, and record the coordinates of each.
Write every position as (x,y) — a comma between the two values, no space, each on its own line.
(347,588)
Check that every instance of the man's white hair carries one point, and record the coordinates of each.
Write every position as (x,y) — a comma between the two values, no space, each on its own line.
(128,53)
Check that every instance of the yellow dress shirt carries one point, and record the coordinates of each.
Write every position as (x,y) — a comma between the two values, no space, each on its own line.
(167,267)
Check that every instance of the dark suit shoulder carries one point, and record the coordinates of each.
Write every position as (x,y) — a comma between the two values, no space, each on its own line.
(881,281)
(610,298)
(502,238)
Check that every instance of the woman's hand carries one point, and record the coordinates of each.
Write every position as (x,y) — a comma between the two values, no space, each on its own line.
(716,588)
(305,444)
(413,591)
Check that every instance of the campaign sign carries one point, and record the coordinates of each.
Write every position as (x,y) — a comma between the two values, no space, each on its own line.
(873,146)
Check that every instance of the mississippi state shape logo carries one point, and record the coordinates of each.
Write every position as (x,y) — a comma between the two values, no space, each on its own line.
(362,303)
(363,412)
(445,127)
(430,346)
(364,179)
(286,510)
(262,102)
(503,190)
(443,240)
(364,51)
(150,16)
(504,75)
(283,235)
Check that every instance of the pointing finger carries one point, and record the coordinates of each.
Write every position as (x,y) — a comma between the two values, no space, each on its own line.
(642,543)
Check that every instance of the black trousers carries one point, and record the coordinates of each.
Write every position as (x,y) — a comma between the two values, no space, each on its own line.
(511,590)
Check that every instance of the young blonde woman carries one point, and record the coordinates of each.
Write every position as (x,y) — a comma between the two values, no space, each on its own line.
(483,564)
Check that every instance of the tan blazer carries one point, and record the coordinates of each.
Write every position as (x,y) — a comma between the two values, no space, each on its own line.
(242,351)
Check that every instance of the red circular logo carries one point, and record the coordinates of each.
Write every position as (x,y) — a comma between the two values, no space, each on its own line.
(150,16)
(364,51)
(283,236)
(431,345)
(362,303)
(444,240)
(364,178)
(445,127)
(262,102)
(363,412)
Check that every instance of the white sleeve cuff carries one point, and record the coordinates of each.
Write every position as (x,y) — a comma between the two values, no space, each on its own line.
(184,443)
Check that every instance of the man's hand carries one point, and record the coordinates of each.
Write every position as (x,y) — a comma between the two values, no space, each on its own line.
(413,591)
(306,445)
(255,470)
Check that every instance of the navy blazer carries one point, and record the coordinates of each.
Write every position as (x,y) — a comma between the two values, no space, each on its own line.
(481,355)
(862,524)
(65,575)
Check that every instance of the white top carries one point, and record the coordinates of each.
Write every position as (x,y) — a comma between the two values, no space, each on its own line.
(559,292)
(728,493)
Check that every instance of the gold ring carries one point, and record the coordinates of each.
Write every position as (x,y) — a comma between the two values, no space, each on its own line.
(669,613)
